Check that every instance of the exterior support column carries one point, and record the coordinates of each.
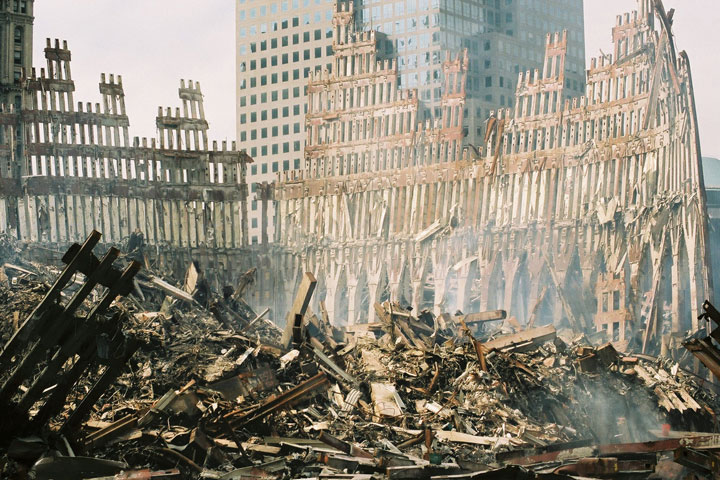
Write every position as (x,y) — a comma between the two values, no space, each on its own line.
(352,283)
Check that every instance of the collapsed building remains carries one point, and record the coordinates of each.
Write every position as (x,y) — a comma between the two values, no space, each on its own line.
(586,211)
(66,169)
(590,210)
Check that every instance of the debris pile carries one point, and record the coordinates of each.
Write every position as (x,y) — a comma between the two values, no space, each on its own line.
(203,387)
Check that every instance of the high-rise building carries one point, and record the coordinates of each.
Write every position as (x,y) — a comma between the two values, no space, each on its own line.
(280,41)
(503,38)
(16,21)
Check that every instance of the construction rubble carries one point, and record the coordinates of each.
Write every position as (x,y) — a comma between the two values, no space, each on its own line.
(110,371)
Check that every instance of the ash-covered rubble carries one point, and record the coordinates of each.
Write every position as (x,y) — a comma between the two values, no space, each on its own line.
(213,390)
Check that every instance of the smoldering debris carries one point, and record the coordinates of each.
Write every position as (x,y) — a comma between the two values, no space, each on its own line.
(113,372)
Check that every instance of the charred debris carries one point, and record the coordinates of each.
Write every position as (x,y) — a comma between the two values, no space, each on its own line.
(108,371)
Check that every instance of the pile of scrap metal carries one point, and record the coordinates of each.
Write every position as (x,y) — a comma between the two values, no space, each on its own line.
(196,385)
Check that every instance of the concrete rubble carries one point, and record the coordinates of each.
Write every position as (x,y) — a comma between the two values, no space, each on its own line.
(111,372)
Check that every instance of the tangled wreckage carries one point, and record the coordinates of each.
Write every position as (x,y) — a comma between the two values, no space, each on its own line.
(576,237)
(116,374)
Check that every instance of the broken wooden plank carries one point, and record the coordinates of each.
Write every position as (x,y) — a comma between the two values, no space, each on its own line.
(536,336)
(334,367)
(299,306)
(171,290)
(481,317)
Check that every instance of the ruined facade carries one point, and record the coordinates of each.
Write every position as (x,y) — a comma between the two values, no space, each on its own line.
(67,168)
(586,211)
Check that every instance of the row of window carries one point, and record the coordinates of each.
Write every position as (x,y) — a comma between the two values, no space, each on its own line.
(414,60)
(407,7)
(275,25)
(18,6)
(253,117)
(284,41)
(274,131)
(252,82)
(274,149)
(275,166)
(284,59)
(275,95)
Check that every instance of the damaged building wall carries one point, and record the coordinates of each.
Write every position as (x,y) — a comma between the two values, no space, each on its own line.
(67,168)
(587,211)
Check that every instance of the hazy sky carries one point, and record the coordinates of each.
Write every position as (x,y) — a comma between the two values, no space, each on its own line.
(155,43)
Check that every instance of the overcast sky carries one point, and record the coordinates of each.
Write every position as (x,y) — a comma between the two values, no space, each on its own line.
(155,43)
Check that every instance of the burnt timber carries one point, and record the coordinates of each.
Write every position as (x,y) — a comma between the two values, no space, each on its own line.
(589,211)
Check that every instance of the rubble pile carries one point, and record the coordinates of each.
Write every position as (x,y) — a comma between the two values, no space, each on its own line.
(215,391)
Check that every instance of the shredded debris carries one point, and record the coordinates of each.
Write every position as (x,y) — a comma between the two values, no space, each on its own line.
(210,390)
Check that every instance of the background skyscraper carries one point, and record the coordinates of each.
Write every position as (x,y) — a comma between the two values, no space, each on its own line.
(280,41)
(16,20)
